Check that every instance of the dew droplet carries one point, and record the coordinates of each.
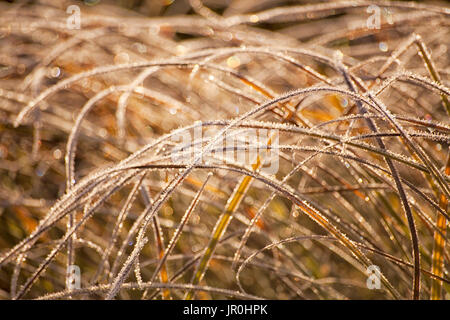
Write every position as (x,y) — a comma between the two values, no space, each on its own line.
(180,49)
(233,62)
(140,47)
(227,36)
(254,18)
(57,154)
(103,132)
(55,72)
(383,46)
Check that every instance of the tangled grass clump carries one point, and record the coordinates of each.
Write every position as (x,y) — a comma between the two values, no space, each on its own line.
(90,116)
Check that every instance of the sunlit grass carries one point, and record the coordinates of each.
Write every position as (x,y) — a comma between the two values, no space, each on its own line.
(90,121)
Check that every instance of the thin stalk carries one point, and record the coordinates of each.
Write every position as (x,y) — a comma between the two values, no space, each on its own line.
(439,245)
(222,225)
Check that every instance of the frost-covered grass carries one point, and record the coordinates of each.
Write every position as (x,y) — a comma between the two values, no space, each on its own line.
(90,117)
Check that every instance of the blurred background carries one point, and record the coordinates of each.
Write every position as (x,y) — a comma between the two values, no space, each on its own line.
(37,51)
